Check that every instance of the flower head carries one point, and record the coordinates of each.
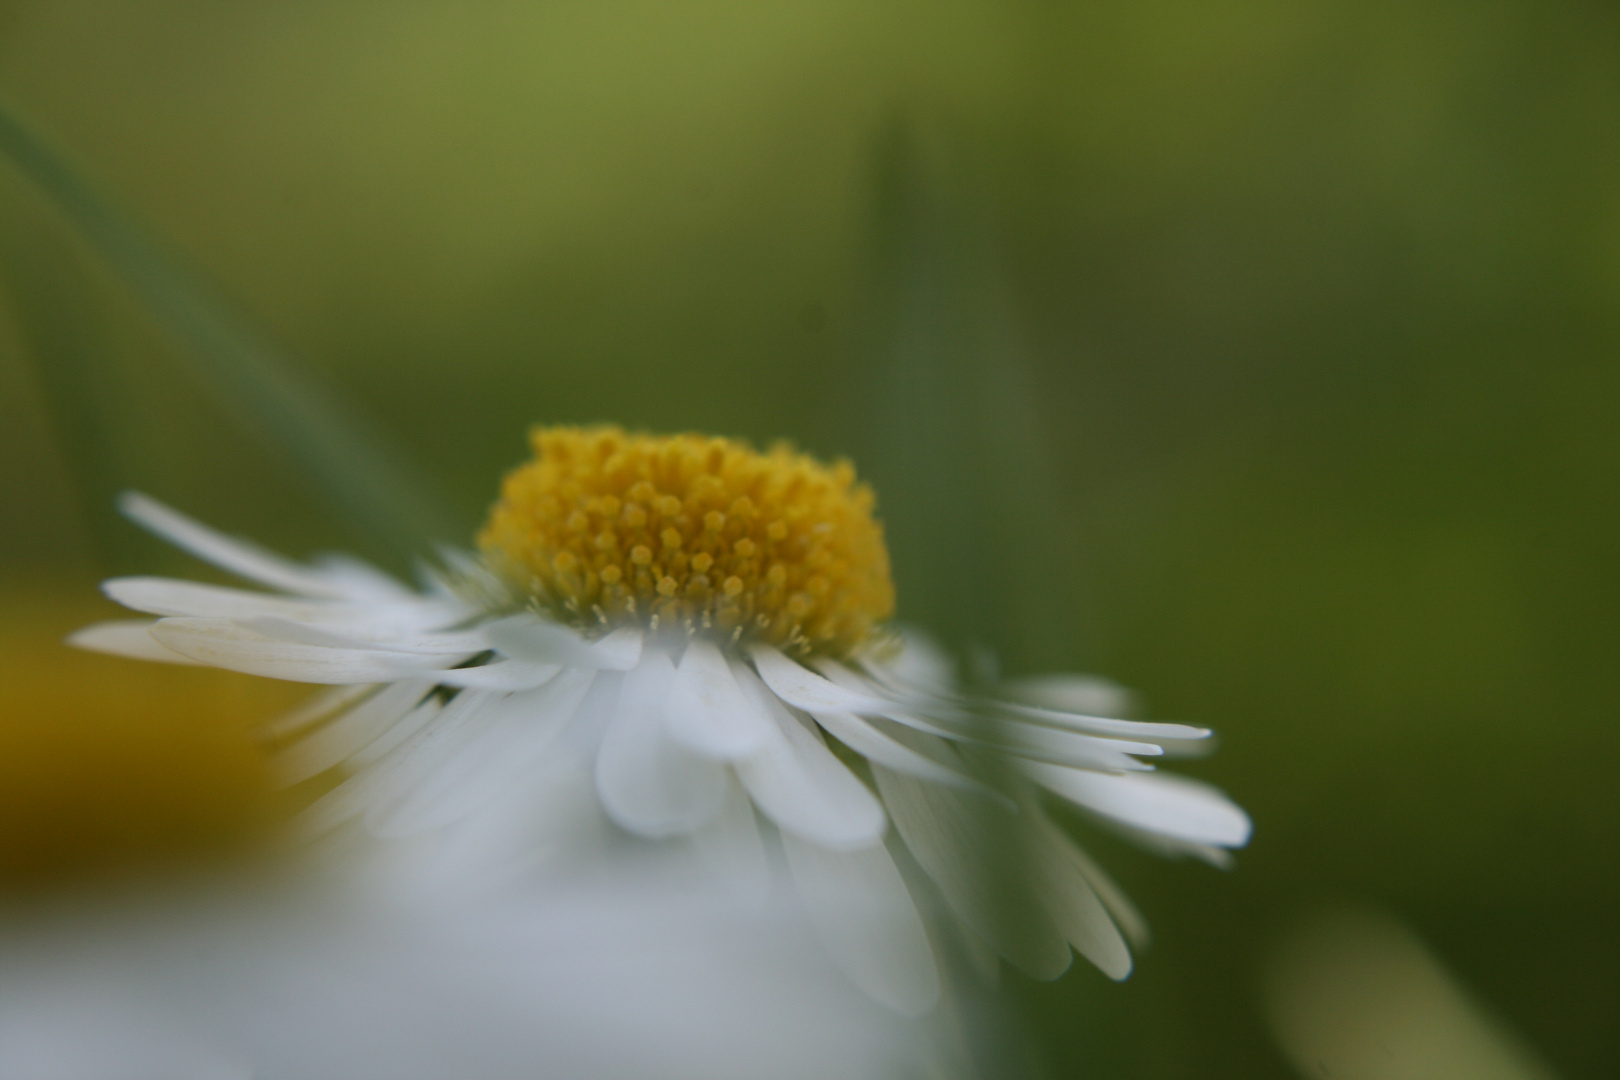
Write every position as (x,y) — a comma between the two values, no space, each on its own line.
(690,636)
(690,532)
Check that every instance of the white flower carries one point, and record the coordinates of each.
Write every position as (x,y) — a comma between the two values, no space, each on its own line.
(695,629)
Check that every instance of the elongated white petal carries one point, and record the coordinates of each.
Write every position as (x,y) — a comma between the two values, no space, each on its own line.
(226,644)
(707,712)
(164,596)
(732,846)
(868,741)
(350,799)
(1057,880)
(318,707)
(1063,747)
(461,643)
(861,908)
(1125,914)
(126,637)
(405,728)
(920,666)
(520,729)
(502,675)
(241,557)
(1085,694)
(801,786)
(804,689)
(648,783)
(399,776)
(1163,803)
(350,732)
(524,637)
(1101,725)
(952,719)
(951,835)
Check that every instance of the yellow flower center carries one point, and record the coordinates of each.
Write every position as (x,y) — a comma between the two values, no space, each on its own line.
(696,532)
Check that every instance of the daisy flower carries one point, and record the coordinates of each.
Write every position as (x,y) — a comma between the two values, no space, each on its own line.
(698,634)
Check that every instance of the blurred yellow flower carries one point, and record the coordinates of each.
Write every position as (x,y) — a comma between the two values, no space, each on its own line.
(110,766)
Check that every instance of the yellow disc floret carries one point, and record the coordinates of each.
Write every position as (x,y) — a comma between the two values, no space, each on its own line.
(695,532)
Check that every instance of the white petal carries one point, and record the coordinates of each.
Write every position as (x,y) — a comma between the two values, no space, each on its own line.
(502,675)
(731,845)
(952,836)
(804,689)
(868,741)
(1056,878)
(226,644)
(360,579)
(861,908)
(404,772)
(1084,694)
(952,719)
(1125,914)
(353,796)
(405,728)
(126,637)
(648,783)
(520,730)
(1061,747)
(347,734)
(240,557)
(462,643)
(524,637)
(1101,725)
(1163,803)
(921,665)
(318,707)
(165,596)
(801,786)
(707,712)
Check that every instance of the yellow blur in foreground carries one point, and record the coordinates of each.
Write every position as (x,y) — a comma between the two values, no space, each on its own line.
(111,765)
(1352,995)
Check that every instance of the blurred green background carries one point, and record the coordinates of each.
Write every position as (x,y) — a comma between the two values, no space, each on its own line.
(1259,356)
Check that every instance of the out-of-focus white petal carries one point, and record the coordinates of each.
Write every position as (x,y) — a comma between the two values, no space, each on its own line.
(1060,883)
(1163,803)
(350,732)
(801,786)
(1125,914)
(874,745)
(862,909)
(1101,725)
(130,638)
(948,834)
(707,711)
(524,637)
(163,596)
(241,557)
(502,675)
(460,643)
(804,689)
(648,783)
(317,708)
(226,644)
(732,846)
(1085,694)
(518,730)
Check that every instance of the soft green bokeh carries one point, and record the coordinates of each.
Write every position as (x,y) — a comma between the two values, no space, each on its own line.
(1259,356)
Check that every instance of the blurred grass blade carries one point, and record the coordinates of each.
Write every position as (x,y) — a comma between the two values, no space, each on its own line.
(346,461)
(982,548)
(66,335)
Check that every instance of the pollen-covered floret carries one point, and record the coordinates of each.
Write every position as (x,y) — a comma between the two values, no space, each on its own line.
(604,527)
